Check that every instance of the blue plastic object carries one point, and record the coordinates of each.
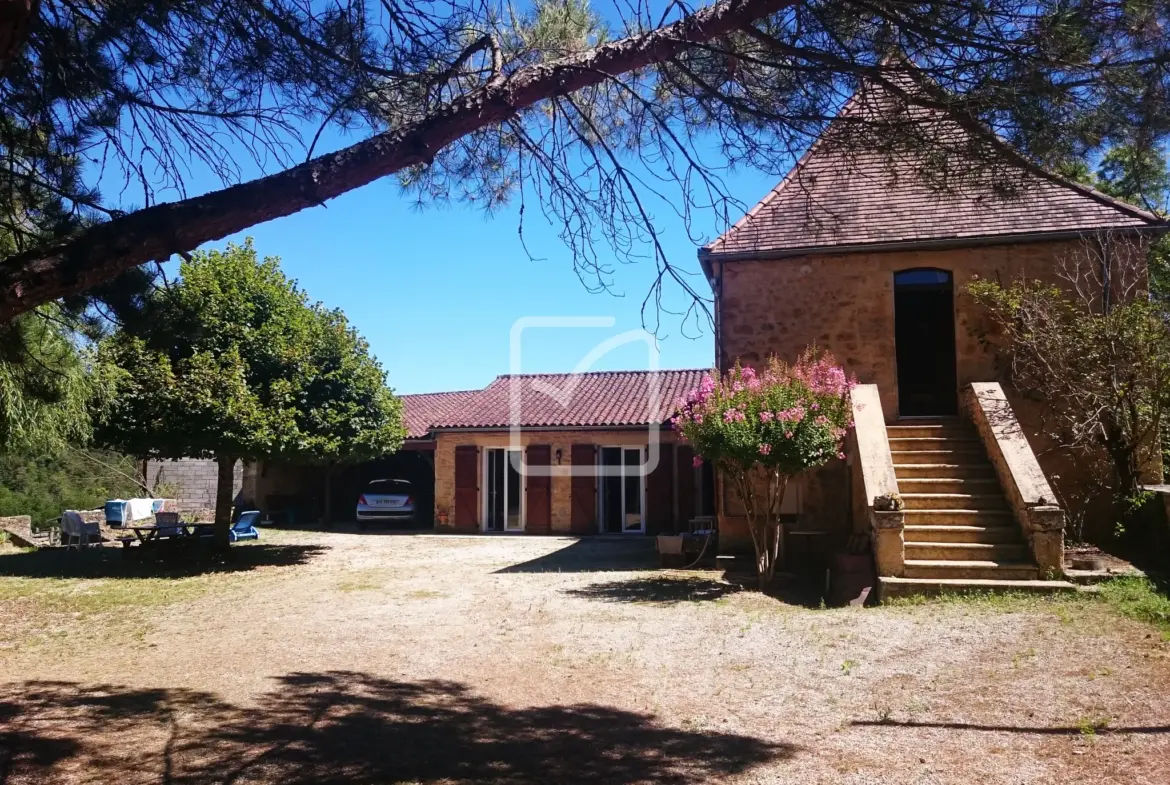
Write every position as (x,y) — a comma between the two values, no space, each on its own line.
(245,527)
(116,512)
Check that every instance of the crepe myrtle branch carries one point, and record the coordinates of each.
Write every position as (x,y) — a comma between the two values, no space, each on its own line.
(99,253)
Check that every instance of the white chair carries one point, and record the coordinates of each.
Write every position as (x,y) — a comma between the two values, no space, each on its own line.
(75,532)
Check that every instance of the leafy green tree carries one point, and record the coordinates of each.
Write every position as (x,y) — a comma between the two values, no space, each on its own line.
(237,364)
(1100,367)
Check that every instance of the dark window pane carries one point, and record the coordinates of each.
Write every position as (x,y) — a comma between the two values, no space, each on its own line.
(922,278)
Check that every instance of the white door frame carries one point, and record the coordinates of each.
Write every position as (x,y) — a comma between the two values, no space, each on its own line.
(486,492)
(641,450)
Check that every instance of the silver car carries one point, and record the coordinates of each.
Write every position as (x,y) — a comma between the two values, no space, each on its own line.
(391,501)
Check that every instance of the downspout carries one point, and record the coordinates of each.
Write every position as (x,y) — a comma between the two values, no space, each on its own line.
(717,288)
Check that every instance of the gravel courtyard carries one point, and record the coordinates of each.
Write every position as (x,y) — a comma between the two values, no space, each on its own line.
(368,658)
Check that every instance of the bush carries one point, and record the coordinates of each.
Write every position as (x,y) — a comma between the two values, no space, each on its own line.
(760,429)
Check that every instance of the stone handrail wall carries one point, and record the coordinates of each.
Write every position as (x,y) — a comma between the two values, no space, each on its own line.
(873,477)
(1020,476)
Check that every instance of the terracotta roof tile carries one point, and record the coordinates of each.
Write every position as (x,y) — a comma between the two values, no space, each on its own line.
(424,408)
(839,198)
(564,400)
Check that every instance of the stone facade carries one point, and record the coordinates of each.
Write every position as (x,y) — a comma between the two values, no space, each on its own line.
(560,440)
(192,481)
(845,303)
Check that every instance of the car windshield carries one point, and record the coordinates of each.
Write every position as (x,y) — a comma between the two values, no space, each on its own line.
(388,486)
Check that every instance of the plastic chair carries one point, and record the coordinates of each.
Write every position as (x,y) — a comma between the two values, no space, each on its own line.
(245,527)
(75,532)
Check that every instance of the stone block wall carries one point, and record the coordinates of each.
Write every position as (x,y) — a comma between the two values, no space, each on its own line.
(193,481)
(845,303)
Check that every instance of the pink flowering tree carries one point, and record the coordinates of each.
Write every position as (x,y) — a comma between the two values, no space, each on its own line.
(762,428)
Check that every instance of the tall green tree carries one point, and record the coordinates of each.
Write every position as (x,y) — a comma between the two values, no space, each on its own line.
(237,364)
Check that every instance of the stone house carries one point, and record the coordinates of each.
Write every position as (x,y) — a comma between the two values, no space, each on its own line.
(872,264)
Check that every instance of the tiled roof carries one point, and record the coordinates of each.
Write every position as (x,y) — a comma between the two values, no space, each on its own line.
(838,197)
(565,400)
(424,408)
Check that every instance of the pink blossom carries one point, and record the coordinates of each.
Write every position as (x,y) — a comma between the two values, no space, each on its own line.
(788,434)
(766,416)
(697,462)
(733,415)
(765,449)
(841,455)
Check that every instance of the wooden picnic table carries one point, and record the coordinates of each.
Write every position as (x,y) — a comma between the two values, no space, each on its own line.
(155,533)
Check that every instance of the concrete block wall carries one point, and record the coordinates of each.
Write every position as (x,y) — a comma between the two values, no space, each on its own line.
(194,481)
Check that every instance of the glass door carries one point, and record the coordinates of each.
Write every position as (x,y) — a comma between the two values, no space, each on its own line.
(504,499)
(620,490)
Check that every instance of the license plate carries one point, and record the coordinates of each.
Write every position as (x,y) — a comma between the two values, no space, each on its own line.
(389,502)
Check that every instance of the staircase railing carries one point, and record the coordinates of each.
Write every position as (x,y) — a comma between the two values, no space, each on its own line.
(876,503)
(1030,497)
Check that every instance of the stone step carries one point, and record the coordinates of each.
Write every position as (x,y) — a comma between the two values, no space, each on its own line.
(959,517)
(964,551)
(960,533)
(959,485)
(971,569)
(939,455)
(931,442)
(954,501)
(912,471)
(908,587)
(927,431)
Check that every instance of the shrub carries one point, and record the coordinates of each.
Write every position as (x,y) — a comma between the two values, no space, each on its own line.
(761,429)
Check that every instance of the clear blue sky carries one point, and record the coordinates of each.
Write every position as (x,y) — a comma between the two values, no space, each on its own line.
(436,291)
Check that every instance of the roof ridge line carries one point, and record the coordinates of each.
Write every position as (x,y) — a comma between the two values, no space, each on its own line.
(595,373)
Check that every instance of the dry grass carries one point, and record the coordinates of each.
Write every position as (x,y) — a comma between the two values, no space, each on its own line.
(373,658)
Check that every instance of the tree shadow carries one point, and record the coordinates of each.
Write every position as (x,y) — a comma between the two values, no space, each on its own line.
(1036,729)
(344,727)
(658,590)
(103,562)
(595,555)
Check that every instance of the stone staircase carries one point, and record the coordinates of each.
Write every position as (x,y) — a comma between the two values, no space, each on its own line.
(959,530)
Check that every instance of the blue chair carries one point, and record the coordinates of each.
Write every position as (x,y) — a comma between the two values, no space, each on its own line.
(245,527)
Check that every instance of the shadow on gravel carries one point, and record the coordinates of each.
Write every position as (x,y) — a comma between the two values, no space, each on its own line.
(595,555)
(661,591)
(343,727)
(106,562)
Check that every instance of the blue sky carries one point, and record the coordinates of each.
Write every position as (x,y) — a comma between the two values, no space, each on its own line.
(436,291)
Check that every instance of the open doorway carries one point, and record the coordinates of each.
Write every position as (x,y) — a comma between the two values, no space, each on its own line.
(924,338)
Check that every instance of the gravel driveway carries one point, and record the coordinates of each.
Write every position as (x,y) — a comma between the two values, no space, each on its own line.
(368,658)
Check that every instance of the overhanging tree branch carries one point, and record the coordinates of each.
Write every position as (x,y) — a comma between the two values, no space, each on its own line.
(155,233)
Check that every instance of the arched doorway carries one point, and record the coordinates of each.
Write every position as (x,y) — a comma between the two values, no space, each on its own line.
(924,340)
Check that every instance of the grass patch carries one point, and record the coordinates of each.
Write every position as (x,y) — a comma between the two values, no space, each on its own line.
(1141,599)
(1132,597)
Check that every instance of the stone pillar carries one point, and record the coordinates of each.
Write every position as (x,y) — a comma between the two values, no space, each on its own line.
(1045,529)
(889,543)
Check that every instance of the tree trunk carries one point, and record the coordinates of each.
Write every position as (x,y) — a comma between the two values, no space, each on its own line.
(327,519)
(101,252)
(223,501)
(15,19)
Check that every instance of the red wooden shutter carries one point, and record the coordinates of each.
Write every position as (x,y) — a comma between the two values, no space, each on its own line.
(538,491)
(684,461)
(466,487)
(583,490)
(660,493)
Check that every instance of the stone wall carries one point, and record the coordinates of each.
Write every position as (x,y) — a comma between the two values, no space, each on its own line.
(845,303)
(562,440)
(192,481)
